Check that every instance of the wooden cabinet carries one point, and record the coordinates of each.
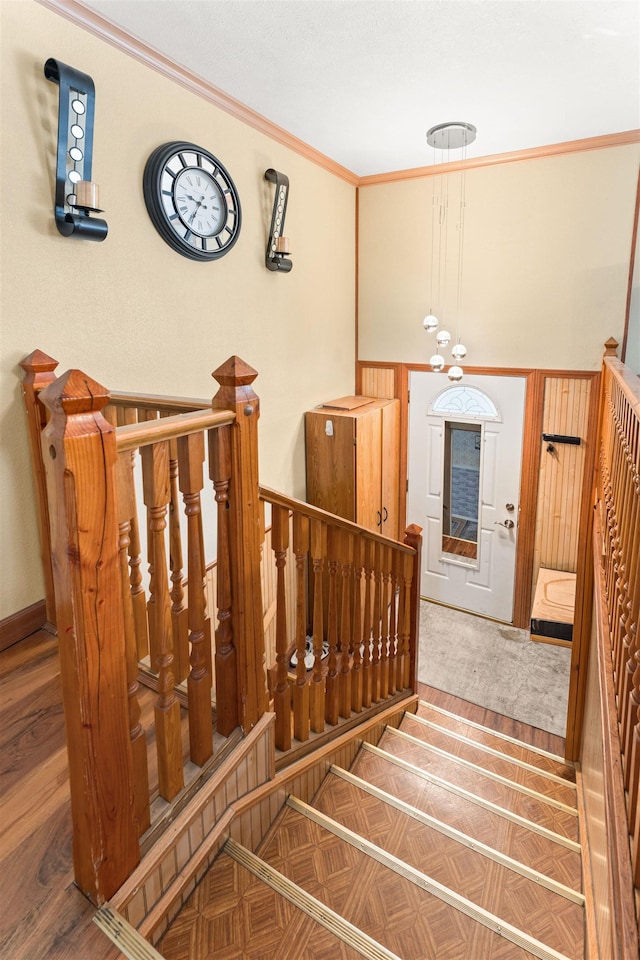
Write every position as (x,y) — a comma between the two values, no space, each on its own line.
(353,461)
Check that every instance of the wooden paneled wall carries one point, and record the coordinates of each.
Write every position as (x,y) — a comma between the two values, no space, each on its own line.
(379,382)
(565,412)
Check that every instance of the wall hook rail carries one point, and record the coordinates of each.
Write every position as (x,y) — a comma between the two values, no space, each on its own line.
(278,244)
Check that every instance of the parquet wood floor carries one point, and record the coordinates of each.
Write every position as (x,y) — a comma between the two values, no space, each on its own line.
(409,921)
(233,915)
(520,901)
(536,851)
(532,808)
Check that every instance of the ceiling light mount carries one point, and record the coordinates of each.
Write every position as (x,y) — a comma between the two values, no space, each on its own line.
(452,135)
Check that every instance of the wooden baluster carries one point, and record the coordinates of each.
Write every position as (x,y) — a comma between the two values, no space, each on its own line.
(189,460)
(39,373)
(413,568)
(347,645)
(376,623)
(236,393)
(282,696)
(402,654)
(157,494)
(332,697)
(358,601)
(79,453)
(301,687)
(618,556)
(385,573)
(145,415)
(138,597)
(179,614)
(367,623)
(225,659)
(140,773)
(317,689)
(393,623)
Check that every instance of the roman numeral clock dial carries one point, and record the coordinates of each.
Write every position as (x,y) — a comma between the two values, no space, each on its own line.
(192,200)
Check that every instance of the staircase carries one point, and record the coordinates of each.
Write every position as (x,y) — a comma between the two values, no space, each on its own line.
(445,840)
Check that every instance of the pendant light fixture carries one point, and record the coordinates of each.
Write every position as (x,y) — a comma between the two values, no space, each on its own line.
(451,136)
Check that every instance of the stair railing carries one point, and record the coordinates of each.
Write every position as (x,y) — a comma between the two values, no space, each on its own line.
(610,746)
(106,622)
(352,643)
(127,623)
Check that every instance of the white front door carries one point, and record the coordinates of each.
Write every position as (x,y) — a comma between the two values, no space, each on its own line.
(490,414)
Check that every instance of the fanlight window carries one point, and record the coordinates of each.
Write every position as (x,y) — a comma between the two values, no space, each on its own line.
(464,401)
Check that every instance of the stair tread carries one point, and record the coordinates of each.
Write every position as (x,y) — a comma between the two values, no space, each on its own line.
(406,919)
(518,900)
(232,915)
(510,746)
(536,851)
(509,767)
(532,808)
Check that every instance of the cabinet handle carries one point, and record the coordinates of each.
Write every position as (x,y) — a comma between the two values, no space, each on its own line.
(379,523)
(386,515)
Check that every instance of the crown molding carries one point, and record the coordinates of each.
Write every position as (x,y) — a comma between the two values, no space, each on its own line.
(77,13)
(99,26)
(533,153)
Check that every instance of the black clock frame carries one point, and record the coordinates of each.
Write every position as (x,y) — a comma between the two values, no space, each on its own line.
(153,192)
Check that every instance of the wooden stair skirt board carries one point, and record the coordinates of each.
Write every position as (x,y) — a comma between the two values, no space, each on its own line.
(422,849)
(553,607)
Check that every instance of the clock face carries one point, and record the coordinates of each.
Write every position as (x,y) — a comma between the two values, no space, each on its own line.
(192,200)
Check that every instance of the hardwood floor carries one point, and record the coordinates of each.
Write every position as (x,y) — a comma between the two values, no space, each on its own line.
(42,914)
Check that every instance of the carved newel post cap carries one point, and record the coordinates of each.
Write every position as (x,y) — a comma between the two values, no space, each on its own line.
(38,363)
(611,347)
(234,372)
(75,393)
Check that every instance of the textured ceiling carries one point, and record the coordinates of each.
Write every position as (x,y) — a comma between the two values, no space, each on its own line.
(362,80)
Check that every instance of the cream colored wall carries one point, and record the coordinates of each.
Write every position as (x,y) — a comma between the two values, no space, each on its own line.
(546,260)
(129,311)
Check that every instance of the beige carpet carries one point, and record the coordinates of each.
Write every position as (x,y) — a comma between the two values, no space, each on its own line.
(495,666)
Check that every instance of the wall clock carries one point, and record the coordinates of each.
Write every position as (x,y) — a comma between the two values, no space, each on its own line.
(192,200)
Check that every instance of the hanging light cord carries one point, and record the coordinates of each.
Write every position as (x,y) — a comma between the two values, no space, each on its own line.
(463,203)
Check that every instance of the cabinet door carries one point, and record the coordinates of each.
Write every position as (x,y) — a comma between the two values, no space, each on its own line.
(330,443)
(390,468)
(368,469)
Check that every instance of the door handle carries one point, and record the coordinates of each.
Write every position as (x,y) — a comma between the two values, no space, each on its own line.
(379,523)
(386,515)
(508,524)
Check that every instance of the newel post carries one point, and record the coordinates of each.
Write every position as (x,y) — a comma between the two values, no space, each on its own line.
(413,538)
(79,454)
(39,373)
(236,393)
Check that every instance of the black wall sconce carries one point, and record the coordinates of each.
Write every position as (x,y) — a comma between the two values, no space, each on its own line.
(278,245)
(76,196)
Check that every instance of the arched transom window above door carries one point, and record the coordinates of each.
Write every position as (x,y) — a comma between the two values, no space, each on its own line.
(464,401)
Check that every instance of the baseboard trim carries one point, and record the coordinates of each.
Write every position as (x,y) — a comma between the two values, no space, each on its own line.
(23,623)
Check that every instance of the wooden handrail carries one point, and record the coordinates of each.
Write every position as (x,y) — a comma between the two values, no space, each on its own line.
(152,401)
(134,435)
(316,513)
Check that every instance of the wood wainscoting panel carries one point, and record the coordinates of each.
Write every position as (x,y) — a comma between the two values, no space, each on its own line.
(376,381)
(565,413)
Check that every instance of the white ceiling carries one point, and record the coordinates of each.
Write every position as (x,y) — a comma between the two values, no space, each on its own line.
(362,80)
